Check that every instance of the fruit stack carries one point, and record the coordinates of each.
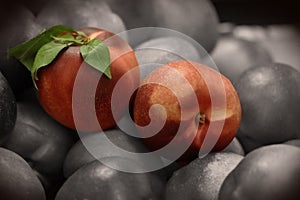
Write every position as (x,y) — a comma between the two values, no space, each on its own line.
(161,99)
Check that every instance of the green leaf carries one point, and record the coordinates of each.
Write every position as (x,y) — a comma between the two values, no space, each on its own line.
(45,55)
(69,39)
(66,37)
(82,33)
(44,48)
(96,54)
(27,51)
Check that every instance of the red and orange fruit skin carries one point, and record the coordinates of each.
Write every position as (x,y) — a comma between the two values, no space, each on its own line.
(205,82)
(56,84)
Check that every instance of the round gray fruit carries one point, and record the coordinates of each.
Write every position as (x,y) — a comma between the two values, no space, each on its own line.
(18,181)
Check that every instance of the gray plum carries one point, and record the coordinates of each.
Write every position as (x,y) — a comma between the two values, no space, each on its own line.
(269,172)
(156,52)
(78,14)
(270,96)
(19,25)
(39,139)
(233,56)
(95,180)
(93,146)
(195,18)
(18,181)
(202,178)
(135,13)
(8,109)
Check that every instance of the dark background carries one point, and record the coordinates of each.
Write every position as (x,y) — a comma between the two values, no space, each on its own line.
(258,12)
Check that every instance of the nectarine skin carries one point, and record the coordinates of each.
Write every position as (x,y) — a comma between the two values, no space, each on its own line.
(56,83)
(200,78)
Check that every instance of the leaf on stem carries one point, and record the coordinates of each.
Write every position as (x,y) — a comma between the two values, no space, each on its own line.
(27,51)
(96,54)
(45,55)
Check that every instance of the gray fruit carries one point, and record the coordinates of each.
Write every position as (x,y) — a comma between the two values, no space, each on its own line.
(8,109)
(97,181)
(18,181)
(270,172)
(202,178)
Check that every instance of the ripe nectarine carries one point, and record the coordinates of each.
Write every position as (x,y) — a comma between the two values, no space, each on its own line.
(56,84)
(168,95)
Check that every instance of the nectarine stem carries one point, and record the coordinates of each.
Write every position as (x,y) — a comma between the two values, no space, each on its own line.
(200,118)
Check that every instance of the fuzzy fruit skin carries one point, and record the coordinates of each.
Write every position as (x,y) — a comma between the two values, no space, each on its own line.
(149,94)
(56,83)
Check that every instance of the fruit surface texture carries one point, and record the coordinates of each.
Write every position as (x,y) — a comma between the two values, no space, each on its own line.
(188,101)
(18,181)
(56,84)
(269,172)
(8,108)
(269,96)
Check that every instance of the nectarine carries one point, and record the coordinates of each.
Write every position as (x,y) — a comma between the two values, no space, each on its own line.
(56,84)
(183,102)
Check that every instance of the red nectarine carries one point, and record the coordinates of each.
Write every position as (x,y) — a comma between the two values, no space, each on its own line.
(56,83)
(165,97)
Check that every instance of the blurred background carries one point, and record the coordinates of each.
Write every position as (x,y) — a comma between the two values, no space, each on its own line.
(238,11)
(254,12)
